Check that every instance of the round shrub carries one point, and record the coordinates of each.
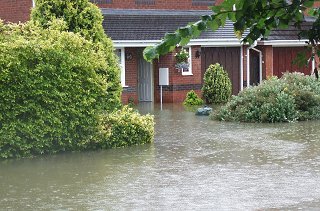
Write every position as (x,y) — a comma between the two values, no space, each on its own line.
(290,98)
(126,127)
(217,85)
(192,99)
(51,90)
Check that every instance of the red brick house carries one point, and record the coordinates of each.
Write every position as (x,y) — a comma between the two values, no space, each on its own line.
(135,24)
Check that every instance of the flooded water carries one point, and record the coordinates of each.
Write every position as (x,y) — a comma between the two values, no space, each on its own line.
(194,164)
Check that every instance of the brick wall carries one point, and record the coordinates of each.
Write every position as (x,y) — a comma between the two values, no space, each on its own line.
(179,84)
(153,4)
(15,10)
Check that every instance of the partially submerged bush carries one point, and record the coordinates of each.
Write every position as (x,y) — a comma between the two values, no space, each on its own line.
(126,127)
(292,97)
(50,90)
(217,86)
(53,90)
(192,99)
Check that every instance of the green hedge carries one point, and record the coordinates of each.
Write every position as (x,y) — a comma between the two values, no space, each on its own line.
(217,86)
(290,98)
(50,91)
(53,92)
(127,127)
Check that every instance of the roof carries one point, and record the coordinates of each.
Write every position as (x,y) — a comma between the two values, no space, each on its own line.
(291,33)
(152,25)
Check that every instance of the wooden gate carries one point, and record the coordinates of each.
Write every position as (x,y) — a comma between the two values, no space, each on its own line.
(283,58)
(228,57)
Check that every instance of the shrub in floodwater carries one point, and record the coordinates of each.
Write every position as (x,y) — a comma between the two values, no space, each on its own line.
(292,97)
(126,127)
(53,89)
(192,99)
(217,85)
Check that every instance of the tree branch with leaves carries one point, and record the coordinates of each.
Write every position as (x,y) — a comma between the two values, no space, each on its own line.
(257,17)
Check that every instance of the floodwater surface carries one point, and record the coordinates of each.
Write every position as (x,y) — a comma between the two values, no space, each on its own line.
(193,164)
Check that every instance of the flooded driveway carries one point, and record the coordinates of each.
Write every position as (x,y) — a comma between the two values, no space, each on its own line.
(194,164)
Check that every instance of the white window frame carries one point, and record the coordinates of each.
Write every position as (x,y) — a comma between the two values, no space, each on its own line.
(189,72)
(122,66)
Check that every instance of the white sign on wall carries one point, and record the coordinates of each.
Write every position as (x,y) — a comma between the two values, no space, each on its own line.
(163,76)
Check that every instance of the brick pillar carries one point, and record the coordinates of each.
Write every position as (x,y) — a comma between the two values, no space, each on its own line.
(267,61)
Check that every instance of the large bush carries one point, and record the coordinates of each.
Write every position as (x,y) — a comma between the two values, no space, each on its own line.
(50,91)
(126,127)
(292,97)
(217,85)
(84,18)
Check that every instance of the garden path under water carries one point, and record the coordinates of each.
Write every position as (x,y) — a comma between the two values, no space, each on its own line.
(194,164)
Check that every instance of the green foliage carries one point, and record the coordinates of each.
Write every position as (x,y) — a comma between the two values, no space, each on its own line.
(53,96)
(217,85)
(126,127)
(293,97)
(85,18)
(192,99)
(51,92)
(80,16)
(182,56)
(258,17)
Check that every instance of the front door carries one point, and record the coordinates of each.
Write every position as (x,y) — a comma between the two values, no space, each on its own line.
(254,68)
(145,83)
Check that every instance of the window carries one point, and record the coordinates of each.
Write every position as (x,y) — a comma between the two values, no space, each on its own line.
(121,56)
(145,2)
(189,70)
(101,1)
(203,2)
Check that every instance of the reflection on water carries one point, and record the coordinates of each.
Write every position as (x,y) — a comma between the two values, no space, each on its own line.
(194,163)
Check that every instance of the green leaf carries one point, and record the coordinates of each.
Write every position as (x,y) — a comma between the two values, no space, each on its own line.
(184,41)
(201,26)
(185,31)
(308,3)
(149,53)
(214,24)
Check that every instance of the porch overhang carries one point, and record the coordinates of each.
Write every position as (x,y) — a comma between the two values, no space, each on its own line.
(284,43)
(193,42)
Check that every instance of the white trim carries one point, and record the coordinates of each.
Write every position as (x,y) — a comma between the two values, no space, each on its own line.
(122,66)
(241,68)
(33,3)
(313,66)
(211,43)
(284,43)
(134,43)
(189,61)
(248,67)
(201,42)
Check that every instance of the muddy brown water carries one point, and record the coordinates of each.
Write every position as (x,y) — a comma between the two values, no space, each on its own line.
(193,164)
